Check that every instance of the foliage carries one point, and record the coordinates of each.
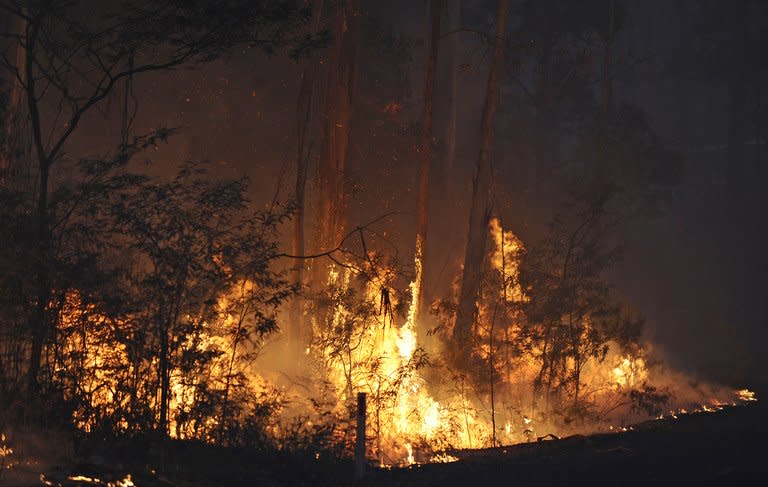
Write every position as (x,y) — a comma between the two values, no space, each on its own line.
(114,284)
(649,399)
(155,284)
(356,344)
(571,316)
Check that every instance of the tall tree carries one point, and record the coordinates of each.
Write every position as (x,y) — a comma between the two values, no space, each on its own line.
(481,208)
(338,125)
(306,102)
(193,241)
(426,148)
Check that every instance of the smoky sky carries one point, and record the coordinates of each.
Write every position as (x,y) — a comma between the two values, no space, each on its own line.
(693,271)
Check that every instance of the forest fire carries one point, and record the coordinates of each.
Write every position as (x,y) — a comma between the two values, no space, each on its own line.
(360,345)
(329,242)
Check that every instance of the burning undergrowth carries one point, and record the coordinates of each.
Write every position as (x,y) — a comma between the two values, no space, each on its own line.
(179,338)
(528,379)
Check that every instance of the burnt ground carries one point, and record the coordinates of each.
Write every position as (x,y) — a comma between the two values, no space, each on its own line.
(726,448)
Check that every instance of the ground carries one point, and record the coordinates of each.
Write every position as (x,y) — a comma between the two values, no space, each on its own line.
(724,448)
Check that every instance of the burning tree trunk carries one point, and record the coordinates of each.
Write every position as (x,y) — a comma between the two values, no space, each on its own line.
(304,148)
(426,149)
(339,111)
(481,201)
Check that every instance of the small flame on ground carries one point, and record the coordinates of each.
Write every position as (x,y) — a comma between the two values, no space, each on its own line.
(746,395)
(83,478)
(443,458)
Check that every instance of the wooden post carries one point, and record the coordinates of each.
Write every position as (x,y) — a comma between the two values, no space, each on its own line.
(360,439)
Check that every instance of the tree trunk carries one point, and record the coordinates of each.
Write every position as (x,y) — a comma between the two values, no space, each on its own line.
(38,322)
(426,150)
(481,201)
(165,382)
(339,111)
(228,381)
(296,333)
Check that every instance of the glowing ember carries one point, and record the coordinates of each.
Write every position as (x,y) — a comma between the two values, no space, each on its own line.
(83,478)
(5,450)
(746,395)
(443,458)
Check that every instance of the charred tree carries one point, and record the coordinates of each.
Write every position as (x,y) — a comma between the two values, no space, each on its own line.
(481,208)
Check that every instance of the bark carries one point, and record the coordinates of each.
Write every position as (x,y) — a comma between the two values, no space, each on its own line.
(426,148)
(304,119)
(481,201)
(339,112)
